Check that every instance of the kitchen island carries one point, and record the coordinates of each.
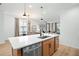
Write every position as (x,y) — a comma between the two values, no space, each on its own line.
(47,46)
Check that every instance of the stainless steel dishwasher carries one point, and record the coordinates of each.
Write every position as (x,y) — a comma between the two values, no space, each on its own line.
(32,50)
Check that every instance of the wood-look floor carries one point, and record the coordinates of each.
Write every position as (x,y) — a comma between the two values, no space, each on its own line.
(66,51)
(5,50)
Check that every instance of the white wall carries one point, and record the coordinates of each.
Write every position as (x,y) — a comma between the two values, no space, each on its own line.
(9,25)
(1,25)
(69,28)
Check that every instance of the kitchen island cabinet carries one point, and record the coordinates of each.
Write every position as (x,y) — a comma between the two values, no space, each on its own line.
(56,43)
(48,45)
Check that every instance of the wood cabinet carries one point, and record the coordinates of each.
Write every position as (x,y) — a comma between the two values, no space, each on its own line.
(56,43)
(51,47)
(16,27)
(45,48)
(48,47)
(16,52)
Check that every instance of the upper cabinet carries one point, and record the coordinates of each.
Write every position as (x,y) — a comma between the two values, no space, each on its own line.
(21,26)
(53,27)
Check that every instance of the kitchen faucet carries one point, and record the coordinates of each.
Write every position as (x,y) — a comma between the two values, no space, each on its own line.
(41,32)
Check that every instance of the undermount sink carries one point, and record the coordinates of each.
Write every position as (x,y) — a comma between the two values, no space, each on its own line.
(42,37)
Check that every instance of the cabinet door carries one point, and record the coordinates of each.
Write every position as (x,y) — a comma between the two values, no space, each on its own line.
(16,27)
(46,48)
(23,26)
(16,52)
(56,43)
(51,47)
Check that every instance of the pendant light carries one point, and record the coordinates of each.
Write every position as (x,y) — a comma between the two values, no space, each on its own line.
(24,10)
(0,3)
(41,12)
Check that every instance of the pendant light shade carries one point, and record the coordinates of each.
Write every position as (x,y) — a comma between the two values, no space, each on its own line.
(41,6)
(0,3)
(41,19)
(24,14)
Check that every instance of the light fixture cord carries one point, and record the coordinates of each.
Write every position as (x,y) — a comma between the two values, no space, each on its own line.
(24,7)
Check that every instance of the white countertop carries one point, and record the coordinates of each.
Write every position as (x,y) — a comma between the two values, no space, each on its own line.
(22,41)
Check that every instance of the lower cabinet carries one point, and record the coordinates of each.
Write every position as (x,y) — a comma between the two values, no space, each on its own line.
(51,47)
(16,52)
(56,43)
(48,47)
(45,48)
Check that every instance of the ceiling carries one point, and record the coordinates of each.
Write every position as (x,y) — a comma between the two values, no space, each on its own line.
(50,10)
(54,7)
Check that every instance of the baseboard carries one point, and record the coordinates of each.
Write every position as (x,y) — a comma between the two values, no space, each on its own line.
(2,42)
(69,45)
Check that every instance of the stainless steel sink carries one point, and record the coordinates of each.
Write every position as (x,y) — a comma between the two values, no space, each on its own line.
(42,37)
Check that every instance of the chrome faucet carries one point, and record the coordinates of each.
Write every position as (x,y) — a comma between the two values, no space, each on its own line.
(42,32)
